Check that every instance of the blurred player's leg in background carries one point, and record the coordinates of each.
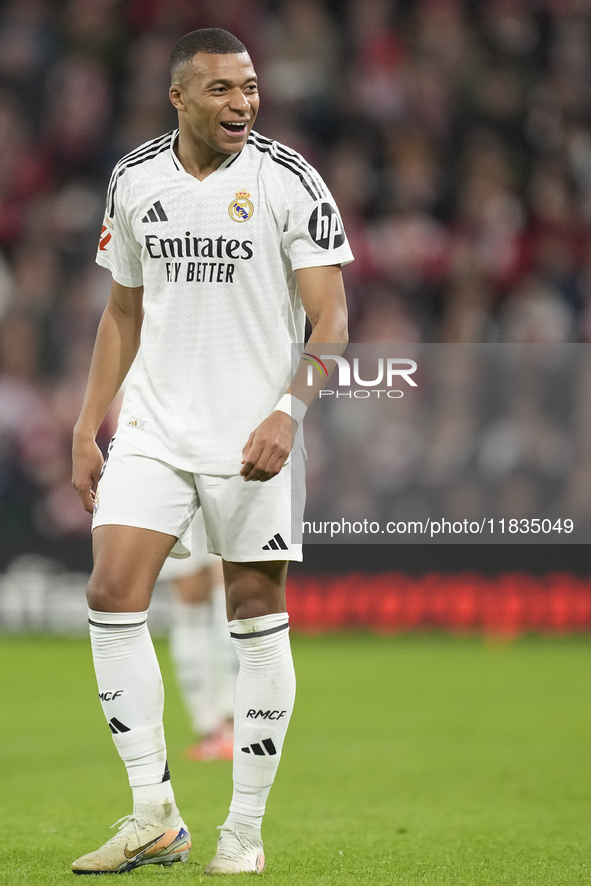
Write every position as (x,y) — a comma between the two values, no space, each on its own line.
(204,658)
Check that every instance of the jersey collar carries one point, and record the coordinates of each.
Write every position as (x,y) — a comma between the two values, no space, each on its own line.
(231,158)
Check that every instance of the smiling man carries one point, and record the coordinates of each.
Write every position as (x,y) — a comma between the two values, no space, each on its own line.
(219,242)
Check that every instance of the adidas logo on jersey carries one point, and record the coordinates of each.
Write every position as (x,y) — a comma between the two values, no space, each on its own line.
(275,544)
(155,213)
(256,748)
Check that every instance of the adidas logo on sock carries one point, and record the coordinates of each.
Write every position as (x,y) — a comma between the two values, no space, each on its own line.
(117,726)
(258,750)
(155,213)
(275,544)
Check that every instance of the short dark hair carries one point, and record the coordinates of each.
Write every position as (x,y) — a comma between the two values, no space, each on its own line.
(212,40)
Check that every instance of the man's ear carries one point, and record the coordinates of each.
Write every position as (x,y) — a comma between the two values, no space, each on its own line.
(175,94)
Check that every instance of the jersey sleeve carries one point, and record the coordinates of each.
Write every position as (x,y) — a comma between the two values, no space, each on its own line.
(118,250)
(314,235)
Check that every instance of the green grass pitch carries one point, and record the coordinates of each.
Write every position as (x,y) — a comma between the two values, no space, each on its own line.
(410,760)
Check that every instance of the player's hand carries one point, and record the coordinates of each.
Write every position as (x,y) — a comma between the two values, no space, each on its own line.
(268,447)
(87,464)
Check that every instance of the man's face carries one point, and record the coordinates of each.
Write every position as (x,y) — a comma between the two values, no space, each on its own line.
(219,100)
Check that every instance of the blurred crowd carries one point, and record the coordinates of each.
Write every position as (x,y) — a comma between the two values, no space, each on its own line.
(454,134)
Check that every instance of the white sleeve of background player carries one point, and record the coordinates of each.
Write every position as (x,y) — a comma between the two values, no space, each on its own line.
(118,249)
(314,235)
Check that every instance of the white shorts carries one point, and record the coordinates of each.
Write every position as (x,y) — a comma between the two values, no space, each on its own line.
(244,521)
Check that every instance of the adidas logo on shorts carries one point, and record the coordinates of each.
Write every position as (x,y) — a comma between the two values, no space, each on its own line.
(275,544)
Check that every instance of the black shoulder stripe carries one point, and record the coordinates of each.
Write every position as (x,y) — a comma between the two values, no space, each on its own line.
(290,155)
(147,146)
(296,159)
(308,183)
(277,148)
(139,152)
(142,151)
(305,167)
(261,138)
(119,170)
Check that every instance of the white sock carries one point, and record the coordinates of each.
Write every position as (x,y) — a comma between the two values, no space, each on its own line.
(132,697)
(224,659)
(265,693)
(191,651)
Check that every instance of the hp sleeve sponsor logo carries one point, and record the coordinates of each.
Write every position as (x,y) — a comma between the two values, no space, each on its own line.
(325,226)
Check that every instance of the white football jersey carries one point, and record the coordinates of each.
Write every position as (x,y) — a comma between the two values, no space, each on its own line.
(216,259)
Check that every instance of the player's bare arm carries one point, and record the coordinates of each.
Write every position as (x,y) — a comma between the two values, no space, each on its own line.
(323,296)
(116,345)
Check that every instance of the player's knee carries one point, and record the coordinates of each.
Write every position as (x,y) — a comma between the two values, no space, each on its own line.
(251,607)
(255,589)
(107,594)
(251,600)
(99,594)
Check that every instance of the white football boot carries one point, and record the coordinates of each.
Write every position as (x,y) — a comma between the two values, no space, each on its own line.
(137,842)
(240,850)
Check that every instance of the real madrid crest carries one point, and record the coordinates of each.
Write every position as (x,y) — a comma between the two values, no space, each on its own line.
(241,209)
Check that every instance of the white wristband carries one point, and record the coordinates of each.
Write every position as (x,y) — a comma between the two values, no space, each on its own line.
(292,406)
